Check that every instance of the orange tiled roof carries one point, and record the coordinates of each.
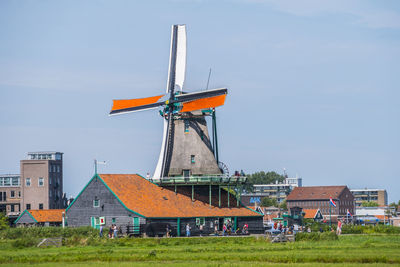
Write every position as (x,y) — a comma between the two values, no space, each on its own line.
(152,201)
(315,192)
(47,215)
(310,213)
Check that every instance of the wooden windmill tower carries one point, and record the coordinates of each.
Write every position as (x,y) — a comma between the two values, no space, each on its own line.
(187,149)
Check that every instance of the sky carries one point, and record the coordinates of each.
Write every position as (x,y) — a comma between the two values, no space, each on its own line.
(313,85)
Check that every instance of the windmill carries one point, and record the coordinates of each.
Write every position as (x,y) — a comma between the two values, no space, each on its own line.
(187,149)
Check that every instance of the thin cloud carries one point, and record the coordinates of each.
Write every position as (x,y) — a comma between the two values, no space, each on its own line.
(362,11)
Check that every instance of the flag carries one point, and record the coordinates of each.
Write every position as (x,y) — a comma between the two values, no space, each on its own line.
(332,202)
(348,213)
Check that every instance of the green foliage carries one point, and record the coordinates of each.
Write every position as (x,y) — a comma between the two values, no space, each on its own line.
(315,236)
(370,229)
(283,205)
(369,204)
(269,202)
(25,242)
(262,178)
(44,232)
(4,223)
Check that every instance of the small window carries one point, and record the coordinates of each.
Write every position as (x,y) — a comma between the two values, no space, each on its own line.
(40,206)
(96,203)
(186,173)
(41,181)
(192,159)
(28,206)
(19,193)
(12,194)
(186,126)
(58,168)
(4,196)
(200,221)
(28,181)
(113,220)
(12,208)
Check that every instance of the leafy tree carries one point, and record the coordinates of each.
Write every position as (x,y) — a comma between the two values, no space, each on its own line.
(262,178)
(369,204)
(4,223)
(269,202)
(283,205)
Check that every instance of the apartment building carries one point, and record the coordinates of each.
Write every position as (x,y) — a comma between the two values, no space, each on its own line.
(42,181)
(10,194)
(278,191)
(375,195)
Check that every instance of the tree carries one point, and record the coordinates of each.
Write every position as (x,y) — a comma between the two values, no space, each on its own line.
(369,204)
(4,223)
(262,178)
(269,202)
(283,205)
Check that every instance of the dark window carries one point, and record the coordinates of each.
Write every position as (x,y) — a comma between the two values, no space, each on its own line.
(28,206)
(12,193)
(40,206)
(186,126)
(96,203)
(4,196)
(186,173)
(19,193)
(192,159)
(1,196)
(113,220)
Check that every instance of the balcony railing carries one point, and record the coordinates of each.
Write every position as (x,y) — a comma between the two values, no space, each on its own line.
(209,179)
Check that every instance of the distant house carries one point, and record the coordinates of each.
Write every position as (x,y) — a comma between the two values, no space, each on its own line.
(51,217)
(314,214)
(317,197)
(132,202)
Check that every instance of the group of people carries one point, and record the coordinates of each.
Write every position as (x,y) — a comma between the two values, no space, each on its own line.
(286,229)
(227,229)
(112,231)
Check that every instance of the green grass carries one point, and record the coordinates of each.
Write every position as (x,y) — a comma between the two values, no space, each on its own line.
(349,250)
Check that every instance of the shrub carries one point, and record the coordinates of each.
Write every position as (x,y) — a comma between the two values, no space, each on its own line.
(43,232)
(370,229)
(24,242)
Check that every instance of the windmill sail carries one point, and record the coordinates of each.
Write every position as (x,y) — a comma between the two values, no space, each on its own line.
(132,105)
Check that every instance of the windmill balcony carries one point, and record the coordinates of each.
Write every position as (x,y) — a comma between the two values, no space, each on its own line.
(196,180)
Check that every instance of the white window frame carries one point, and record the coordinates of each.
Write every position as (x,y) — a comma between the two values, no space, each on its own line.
(41,179)
(98,203)
(28,182)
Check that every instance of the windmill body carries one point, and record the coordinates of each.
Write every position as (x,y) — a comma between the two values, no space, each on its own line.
(187,149)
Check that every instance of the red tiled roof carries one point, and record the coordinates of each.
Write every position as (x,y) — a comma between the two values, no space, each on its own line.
(152,201)
(310,213)
(47,215)
(315,192)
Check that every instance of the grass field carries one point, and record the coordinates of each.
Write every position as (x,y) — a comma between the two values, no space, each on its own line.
(348,250)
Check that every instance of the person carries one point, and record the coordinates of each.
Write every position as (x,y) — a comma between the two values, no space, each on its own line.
(168,231)
(308,230)
(339,227)
(115,231)
(187,230)
(216,229)
(201,229)
(245,229)
(224,230)
(101,231)
(110,231)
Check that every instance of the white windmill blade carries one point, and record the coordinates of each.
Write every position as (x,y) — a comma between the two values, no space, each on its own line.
(177,59)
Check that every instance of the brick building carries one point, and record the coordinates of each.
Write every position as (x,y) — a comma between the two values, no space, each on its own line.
(317,197)
(10,194)
(42,181)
